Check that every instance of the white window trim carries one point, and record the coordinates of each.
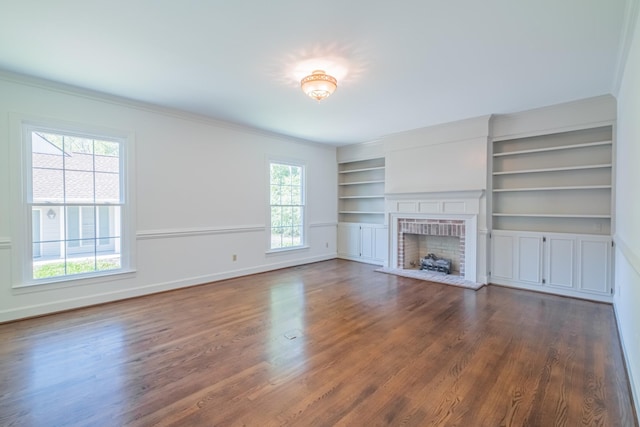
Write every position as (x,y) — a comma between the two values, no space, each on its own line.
(305,228)
(20,180)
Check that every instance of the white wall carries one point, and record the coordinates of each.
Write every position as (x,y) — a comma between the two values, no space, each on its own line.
(446,157)
(201,195)
(627,238)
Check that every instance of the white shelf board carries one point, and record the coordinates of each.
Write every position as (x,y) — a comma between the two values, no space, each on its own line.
(551,215)
(362,169)
(555,148)
(574,187)
(381,196)
(362,182)
(560,169)
(362,212)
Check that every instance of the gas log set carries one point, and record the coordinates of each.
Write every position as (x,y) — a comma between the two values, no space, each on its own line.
(434,263)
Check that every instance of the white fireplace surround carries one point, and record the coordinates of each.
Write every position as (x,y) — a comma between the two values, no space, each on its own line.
(437,205)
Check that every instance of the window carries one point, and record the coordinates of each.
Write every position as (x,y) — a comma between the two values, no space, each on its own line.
(75,195)
(286,205)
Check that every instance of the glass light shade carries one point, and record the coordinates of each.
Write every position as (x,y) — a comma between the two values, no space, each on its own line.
(319,85)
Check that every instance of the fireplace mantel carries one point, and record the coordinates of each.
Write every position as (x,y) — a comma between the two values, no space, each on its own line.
(435,202)
(448,194)
(436,205)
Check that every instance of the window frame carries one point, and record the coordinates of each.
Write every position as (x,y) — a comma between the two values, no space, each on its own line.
(21,128)
(303,189)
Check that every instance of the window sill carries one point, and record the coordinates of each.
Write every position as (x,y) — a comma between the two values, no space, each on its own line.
(70,282)
(286,250)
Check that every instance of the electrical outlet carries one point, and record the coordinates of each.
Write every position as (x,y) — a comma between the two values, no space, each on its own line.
(234,257)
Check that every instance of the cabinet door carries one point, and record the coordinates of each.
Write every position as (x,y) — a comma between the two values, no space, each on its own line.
(380,249)
(366,241)
(529,259)
(349,240)
(594,265)
(502,249)
(560,261)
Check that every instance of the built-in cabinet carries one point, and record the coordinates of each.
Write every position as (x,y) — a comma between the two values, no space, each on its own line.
(362,242)
(552,212)
(362,235)
(561,263)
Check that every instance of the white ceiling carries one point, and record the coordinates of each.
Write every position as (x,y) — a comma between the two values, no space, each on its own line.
(401,64)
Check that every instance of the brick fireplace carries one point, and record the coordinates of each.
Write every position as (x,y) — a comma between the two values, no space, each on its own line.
(452,215)
(443,237)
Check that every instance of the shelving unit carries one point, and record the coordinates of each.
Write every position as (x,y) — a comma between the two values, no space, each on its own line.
(361,191)
(558,182)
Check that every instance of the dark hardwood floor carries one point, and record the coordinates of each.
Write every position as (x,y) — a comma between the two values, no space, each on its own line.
(331,343)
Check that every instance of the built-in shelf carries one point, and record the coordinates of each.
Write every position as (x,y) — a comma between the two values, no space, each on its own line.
(545,215)
(559,182)
(362,170)
(362,212)
(575,187)
(560,169)
(380,181)
(361,191)
(555,148)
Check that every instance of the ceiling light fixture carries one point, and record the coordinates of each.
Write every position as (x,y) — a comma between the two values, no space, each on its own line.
(319,85)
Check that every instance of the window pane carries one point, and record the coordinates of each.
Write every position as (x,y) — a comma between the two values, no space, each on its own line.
(73,226)
(106,148)
(46,160)
(107,188)
(78,162)
(296,216)
(103,225)
(296,195)
(88,230)
(111,262)
(79,187)
(81,264)
(36,232)
(47,186)
(277,174)
(286,195)
(276,216)
(107,156)
(44,269)
(296,175)
(276,192)
(77,145)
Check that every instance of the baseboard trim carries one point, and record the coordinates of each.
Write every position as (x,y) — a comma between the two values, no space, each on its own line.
(86,301)
(362,260)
